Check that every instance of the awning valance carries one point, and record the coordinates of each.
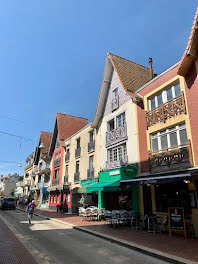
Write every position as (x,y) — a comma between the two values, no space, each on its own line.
(103,186)
(155,179)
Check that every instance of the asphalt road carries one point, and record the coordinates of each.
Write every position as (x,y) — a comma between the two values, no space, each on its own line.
(56,243)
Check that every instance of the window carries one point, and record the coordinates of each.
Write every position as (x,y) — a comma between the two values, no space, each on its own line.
(66,170)
(78,143)
(56,174)
(91,162)
(165,96)
(110,125)
(57,143)
(121,120)
(67,149)
(91,136)
(51,198)
(117,153)
(115,93)
(168,138)
(77,166)
(39,178)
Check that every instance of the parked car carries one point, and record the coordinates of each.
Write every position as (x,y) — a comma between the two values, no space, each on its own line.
(1,199)
(8,202)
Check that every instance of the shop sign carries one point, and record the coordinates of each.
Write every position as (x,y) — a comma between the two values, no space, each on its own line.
(88,182)
(130,170)
(147,182)
(176,220)
(113,173)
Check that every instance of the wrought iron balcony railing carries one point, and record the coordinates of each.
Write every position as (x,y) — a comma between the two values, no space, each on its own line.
(91,146)
(116,164)
(57,162)
(115,103)
(90,174)
(77,152)
(116,135)
(55,182)
(67,156)
(177,157)
(174,107)
(76,177)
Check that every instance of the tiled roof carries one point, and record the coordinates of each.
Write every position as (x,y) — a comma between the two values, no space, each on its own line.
(190,53)
(67,125)
(131,75)
(45,138)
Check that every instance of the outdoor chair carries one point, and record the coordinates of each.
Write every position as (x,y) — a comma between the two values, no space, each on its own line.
(81,211)
(94,213)
(123,217)
(135,219)
(87,214)
(101,213)
(107,215)
(115,218)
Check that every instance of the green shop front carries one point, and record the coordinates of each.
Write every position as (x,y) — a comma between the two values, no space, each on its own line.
(110,194)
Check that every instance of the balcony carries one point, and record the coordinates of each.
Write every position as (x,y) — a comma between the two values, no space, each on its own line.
(55,182)
(57,162)
(167,110)
(44,167)
(77,152)
(91,146)
(115,104)
(67,155)
(174,158)
(65,179)
(116,164)
(90,174)
(77,177)
(116,135)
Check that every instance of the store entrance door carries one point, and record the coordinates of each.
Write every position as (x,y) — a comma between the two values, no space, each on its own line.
(147,199)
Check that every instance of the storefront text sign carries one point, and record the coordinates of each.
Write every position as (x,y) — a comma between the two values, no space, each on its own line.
(147,182)
(176,220)
(88,182)
(112,173)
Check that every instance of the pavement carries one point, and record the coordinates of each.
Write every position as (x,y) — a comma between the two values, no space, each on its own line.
(53,242)
(11,249)
(176,249)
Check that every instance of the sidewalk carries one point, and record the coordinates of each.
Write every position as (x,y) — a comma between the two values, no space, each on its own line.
(176,247)
(11,249)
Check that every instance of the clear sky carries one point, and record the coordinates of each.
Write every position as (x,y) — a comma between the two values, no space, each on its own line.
(53,52)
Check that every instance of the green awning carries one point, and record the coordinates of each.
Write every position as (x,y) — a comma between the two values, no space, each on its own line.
(103,186)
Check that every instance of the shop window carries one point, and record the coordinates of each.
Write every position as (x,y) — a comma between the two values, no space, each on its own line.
(58,199)
(54,198)
(51,198)
(168,138)
(173,194)
(165,96)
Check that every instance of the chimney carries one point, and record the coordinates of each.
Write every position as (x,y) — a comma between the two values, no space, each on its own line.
(151,68)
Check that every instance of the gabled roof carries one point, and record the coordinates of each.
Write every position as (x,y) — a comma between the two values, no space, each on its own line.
(131,75)
(45,139)
(65,126)
(191,52)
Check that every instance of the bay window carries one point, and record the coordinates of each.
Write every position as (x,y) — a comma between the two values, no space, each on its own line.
(117,153)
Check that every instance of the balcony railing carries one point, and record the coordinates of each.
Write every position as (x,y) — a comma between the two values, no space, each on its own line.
(174,107)
(90,174)
(76,177)
(91,146)
(67,157)
(43,167)
(174,158)
(77,152)
(115,103)
(55,182)
(66,179)
(116,164)
(116,135)
(57,162)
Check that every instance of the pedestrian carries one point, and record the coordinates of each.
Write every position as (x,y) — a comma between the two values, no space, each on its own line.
(30,210)
(23,202)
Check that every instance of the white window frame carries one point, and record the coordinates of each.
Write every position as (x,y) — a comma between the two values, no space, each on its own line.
(167,132)
(164,95)
(111,151)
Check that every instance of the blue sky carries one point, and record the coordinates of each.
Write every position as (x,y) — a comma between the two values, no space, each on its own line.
(52,57)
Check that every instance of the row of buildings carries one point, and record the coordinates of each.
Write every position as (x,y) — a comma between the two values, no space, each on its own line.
(140,152)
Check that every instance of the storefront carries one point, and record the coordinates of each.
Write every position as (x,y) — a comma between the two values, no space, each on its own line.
(161,191)
(110,194)
(55,197)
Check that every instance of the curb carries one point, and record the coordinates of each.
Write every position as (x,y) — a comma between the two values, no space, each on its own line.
(145,250)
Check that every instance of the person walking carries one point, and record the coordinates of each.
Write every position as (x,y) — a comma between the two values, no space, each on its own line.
(30,210)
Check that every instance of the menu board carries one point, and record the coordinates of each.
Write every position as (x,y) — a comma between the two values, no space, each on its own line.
(176,220)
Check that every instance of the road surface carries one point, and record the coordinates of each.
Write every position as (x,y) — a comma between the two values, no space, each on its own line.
(52,242)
